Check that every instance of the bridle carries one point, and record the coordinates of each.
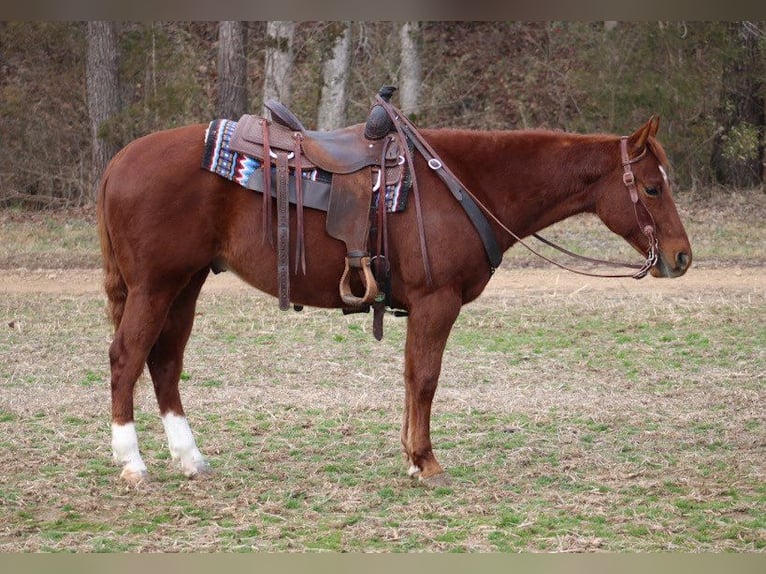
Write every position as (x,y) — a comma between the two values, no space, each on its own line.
(645,222)
(644,217)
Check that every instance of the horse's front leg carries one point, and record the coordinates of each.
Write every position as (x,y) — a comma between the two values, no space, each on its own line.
(428,328)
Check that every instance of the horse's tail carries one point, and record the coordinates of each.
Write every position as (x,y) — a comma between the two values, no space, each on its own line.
(114,283)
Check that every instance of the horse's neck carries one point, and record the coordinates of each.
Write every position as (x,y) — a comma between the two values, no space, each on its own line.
(530,180)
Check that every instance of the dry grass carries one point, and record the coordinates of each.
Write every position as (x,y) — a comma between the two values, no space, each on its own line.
(572,416)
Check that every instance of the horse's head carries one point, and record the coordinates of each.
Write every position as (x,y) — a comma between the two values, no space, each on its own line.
(637,204)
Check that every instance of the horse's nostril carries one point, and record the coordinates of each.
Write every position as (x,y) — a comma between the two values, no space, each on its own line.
(682,260)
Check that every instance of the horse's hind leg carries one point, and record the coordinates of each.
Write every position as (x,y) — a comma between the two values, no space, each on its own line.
(141,323)
(165,364)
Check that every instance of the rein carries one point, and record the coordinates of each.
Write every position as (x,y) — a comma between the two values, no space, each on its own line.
(469,201)
(647,227)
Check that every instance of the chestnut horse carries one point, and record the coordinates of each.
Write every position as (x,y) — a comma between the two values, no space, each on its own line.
(165,223)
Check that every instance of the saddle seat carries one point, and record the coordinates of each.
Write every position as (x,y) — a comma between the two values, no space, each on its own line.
(343,150)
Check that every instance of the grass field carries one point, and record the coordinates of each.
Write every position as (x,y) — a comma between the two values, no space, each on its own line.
(573,415)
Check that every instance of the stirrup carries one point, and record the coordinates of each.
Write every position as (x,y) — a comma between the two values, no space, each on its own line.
(368,280)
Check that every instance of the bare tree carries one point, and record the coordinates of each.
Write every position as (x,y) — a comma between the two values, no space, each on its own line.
(102,89)
(332,106)
(409,74)
(232,69)
(738,148)
(279,61)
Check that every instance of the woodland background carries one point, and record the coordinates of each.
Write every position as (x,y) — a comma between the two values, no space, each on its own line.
(73,93)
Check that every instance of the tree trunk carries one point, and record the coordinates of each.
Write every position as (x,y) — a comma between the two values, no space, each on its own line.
(232,70)
(279,62)
(409,73)
(332,107)
(738,147)
(103,94)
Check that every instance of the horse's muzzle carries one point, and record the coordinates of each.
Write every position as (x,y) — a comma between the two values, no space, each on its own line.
(680,264)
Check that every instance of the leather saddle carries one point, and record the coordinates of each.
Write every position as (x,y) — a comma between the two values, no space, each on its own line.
(339,151)
(358,166)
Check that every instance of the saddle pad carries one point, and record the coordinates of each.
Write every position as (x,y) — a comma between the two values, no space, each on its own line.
(220,159)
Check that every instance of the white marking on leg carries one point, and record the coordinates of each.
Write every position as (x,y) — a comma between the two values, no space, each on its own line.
(125,452)
(182,446)
(414,470)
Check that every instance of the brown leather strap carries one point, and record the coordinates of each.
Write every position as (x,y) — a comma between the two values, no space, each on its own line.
(266,223)
(381,251)
(283,231)
(466,200)
(645,219)
(300,240)
(381,236)
(395,115)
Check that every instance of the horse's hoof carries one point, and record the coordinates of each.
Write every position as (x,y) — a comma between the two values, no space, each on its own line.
(436,481)
(134,478)
(199,471)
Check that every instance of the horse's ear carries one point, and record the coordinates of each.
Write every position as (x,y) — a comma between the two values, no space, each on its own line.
(655,121)
(638,139)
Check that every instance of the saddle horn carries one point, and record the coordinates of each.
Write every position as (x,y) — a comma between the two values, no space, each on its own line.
(378,123)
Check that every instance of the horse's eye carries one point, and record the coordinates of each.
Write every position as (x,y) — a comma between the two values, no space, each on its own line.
(653,191)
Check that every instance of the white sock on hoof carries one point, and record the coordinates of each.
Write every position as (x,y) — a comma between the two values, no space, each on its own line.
(181,444)
(125,448)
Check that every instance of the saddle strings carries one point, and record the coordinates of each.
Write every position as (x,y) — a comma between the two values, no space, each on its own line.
(266,222)
(395,115)
(300,242)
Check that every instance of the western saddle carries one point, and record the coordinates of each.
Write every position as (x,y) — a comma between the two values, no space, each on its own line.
(361,159)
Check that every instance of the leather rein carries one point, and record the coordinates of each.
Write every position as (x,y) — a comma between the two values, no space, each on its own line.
(646,223)
(472,205)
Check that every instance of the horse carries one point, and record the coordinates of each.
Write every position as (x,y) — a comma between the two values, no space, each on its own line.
(164,224)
